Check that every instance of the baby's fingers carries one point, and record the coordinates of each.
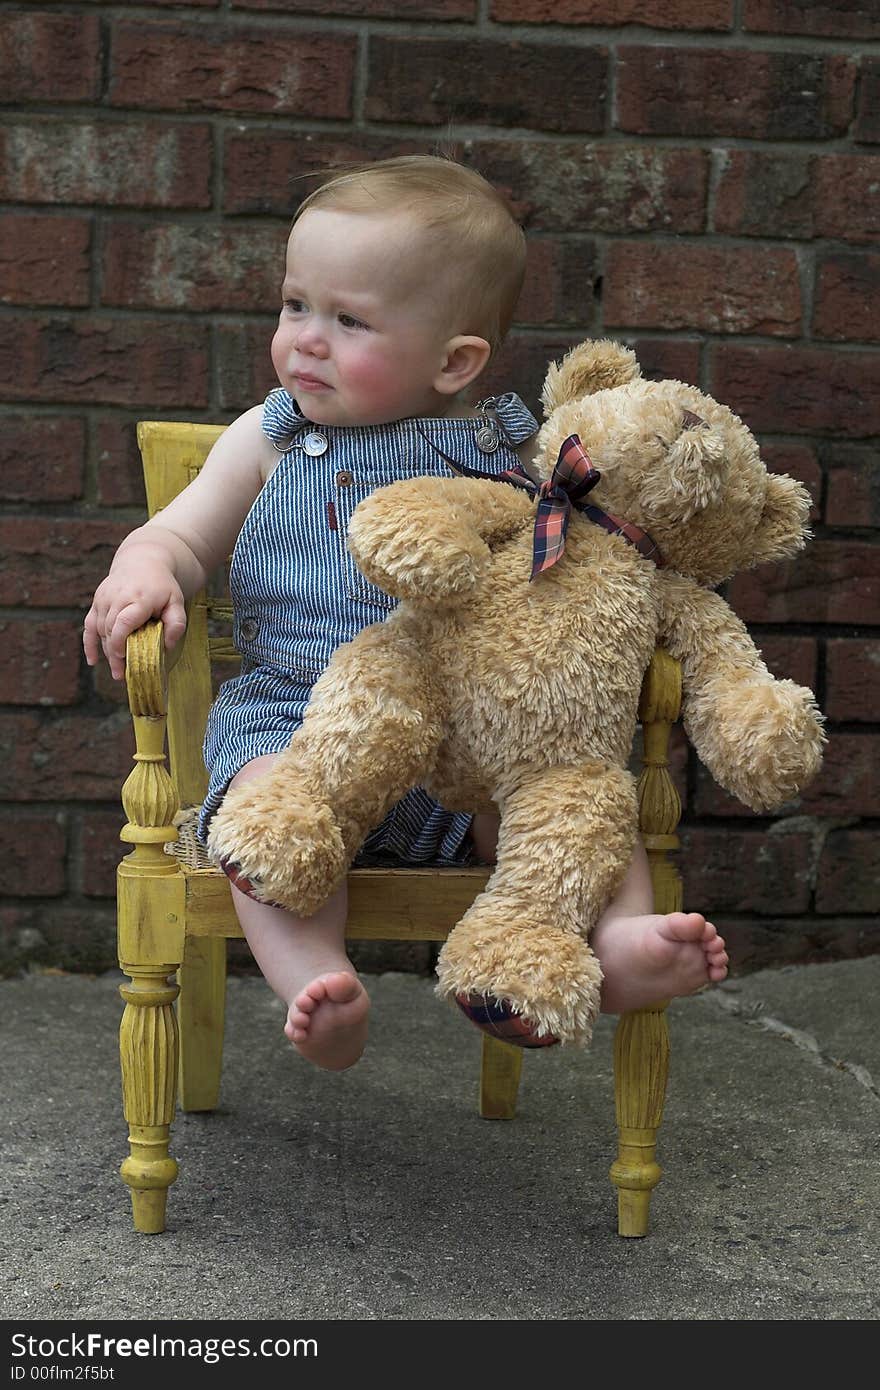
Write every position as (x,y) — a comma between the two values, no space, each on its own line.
(127,620)
(173,616)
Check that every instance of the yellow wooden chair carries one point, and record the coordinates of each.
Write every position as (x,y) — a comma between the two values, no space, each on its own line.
(175,913)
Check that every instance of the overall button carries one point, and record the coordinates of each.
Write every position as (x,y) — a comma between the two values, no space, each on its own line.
(249,629)
(487,439)
(344,479)
(315,444)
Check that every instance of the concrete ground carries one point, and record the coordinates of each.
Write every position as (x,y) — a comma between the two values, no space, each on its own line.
(379,1194)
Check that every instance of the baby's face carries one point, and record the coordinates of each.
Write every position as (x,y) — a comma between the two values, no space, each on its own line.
(362,332)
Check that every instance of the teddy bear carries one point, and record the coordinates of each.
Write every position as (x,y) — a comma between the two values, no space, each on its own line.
(507,678)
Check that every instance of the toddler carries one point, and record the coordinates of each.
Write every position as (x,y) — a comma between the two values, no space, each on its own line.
(400,282)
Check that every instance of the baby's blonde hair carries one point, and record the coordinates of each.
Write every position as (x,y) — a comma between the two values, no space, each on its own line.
(483,248)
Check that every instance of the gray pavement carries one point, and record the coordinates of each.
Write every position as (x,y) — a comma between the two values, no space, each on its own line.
(379,1194)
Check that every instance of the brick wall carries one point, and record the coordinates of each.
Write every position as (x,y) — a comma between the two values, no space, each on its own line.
(699,178)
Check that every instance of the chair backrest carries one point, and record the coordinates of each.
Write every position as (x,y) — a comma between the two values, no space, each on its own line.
(173,452)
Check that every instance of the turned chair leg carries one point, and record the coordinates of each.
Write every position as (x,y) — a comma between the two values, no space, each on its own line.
(641,1067)
(641,1039)
(148,1053)
(499,1079)
(201,1011)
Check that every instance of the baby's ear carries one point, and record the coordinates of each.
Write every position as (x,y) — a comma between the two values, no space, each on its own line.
(465,356)
(591,366)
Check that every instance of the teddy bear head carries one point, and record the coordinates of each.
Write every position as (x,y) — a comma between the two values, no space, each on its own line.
(673,461)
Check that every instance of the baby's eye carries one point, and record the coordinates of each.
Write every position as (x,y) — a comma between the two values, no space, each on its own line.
(294,306)
(349,321)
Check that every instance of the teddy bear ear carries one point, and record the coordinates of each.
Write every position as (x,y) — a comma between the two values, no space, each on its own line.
(782,529)
(595,365)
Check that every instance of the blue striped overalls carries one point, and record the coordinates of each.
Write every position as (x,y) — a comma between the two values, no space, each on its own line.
(297,593)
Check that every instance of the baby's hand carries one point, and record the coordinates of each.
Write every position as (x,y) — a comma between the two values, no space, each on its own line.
(131,593)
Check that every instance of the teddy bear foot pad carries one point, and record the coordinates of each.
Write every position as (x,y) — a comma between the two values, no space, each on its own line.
(498,1019)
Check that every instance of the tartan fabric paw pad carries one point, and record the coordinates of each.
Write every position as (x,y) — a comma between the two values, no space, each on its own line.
(245,885)
(498,1019)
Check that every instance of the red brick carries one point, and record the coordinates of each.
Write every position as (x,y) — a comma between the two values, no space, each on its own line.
(244,367)
(846,192)
(798,461)
(799,389)
(607,188)
(847,297)
(118,470)
(656,14)
(560,283)
(42,457)
(827,19)
(100,851)
(232,67)
(370,9)
(719,289)
(264,171)
(789,658)
(223,267)
(33,850)
(849,782)
(849,872)
(74,757)
(49,57)
(763,871)
(734,92)
(41,662)
(110,691)
(614,188)
(44,260)
(50,562)
(853,486)
(113,361)
(867,126)
(764,193)
(659,358)
(116,163)
(436,80)
(852,675)
(832,581)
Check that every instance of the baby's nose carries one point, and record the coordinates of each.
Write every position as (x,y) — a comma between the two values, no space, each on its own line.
(311,339)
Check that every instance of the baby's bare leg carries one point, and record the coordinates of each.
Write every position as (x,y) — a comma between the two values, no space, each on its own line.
(304,961)
(645,956)
(648,956)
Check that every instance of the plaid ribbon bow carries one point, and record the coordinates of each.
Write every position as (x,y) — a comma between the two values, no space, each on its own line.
(572,478)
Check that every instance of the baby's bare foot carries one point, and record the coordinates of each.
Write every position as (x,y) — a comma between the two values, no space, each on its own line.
(327,1021)
(646,959)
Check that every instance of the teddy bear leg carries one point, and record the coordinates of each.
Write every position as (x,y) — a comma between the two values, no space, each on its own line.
(370,732)
(518,962)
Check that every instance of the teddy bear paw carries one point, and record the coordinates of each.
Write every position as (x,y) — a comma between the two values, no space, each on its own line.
(291,855)
(499,1019)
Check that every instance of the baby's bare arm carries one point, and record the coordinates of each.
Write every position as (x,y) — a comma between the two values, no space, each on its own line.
(163,563)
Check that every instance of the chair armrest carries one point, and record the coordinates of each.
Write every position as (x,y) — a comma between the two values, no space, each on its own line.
(146,672)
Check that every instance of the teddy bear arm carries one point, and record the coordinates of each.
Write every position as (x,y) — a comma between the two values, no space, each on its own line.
(761,738)
(430,538)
